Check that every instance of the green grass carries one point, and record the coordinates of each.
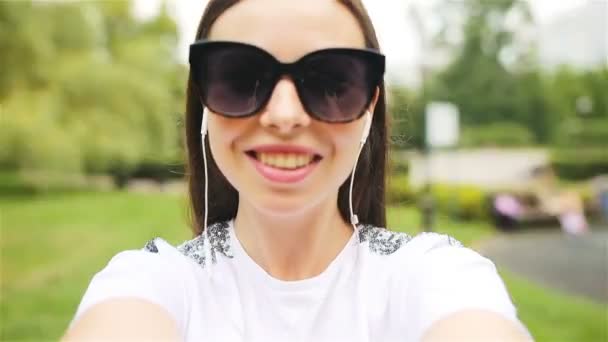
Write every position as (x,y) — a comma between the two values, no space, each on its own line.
(553,316)
(52,244)
(407,219)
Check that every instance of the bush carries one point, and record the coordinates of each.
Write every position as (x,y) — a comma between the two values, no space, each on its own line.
(582,132)
(591,201)
(398,191)
(398,165)
(504,134)
(465,202)
(580,149)
(157,170)
(580,163)
(32,182)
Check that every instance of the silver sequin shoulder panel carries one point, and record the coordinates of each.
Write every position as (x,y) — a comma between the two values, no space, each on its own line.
(151,246)
(381,240)
(218,242)
(385,242)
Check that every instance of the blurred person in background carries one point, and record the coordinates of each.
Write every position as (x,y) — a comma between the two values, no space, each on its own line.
(285,102)
(567,206)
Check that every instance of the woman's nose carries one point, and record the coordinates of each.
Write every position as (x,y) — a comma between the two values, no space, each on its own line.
(284,112)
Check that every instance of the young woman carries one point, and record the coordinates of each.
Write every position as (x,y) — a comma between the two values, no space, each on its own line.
(285,98)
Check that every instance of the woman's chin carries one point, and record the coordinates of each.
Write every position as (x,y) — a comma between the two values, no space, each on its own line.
(281,206)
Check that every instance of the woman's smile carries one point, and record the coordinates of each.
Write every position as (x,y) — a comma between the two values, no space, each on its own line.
(284,163)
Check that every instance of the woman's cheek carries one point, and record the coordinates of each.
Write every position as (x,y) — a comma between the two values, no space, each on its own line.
(222,129)
(347,140)
(225,136)
(220,137)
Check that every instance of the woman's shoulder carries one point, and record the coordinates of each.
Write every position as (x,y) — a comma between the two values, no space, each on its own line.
(435,275)
(384,241)
(408,257)
(156,272)
(202,249)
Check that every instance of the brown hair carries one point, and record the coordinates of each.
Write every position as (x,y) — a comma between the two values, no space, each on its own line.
(369,185)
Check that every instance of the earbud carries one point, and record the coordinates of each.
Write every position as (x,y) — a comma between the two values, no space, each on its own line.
(366,127)
(204,122)
(354,219)
(203,133)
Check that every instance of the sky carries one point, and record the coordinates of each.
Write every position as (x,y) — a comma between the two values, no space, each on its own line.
(398,38)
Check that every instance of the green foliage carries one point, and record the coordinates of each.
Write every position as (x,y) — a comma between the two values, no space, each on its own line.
(566,88)
(464,202)
(87,87)
(494,78)
(12,183)
(398,191)
(407,119)
(484,86)
(503,134)
(577,132)
(407,219)
(580,163)
(398,164)
(580,148)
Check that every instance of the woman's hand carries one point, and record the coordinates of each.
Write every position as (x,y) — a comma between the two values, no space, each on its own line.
(124,319)
(475,325)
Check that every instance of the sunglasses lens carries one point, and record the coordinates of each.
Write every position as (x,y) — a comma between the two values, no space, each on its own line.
(235,81)
(336,87)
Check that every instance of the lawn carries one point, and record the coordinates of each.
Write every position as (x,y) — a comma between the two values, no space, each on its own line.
(407,219)
(51,245)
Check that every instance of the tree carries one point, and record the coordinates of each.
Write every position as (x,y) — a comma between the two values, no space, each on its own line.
(493,77)
(87,87)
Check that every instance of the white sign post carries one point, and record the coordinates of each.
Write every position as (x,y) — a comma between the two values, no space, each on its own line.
(442,125)
(442,130)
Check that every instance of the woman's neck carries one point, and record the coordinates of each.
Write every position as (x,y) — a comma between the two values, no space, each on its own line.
(293,247)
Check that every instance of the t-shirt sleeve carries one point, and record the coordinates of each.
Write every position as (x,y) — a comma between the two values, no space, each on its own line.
(154,274)
(446,278)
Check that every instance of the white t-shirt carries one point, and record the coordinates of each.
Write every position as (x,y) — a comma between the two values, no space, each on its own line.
(383,286)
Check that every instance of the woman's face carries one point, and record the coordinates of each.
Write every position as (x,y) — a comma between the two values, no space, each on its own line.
(288,30)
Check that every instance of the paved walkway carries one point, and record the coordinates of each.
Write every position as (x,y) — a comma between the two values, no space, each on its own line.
(577,265)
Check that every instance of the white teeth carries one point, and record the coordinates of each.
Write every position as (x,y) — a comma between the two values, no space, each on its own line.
(285,160)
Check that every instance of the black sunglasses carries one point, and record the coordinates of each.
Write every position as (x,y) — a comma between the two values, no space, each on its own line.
(237,80)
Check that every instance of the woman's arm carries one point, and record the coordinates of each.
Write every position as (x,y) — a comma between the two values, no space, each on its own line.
(455,294)
(475,325)
(124,319)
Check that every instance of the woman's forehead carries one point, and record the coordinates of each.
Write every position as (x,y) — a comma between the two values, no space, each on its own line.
(289,29)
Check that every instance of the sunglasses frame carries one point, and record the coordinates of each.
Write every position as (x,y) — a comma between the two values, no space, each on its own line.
(372,57)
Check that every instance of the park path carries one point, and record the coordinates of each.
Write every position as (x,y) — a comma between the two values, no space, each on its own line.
(574,264)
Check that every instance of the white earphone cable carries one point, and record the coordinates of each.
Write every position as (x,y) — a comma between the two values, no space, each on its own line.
(354,219)
(207,250)
(203,134)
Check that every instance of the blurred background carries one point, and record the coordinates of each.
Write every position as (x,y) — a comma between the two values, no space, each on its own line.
(499,138)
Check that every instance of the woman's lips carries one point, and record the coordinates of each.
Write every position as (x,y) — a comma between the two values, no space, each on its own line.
(280,148)
(275,174)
